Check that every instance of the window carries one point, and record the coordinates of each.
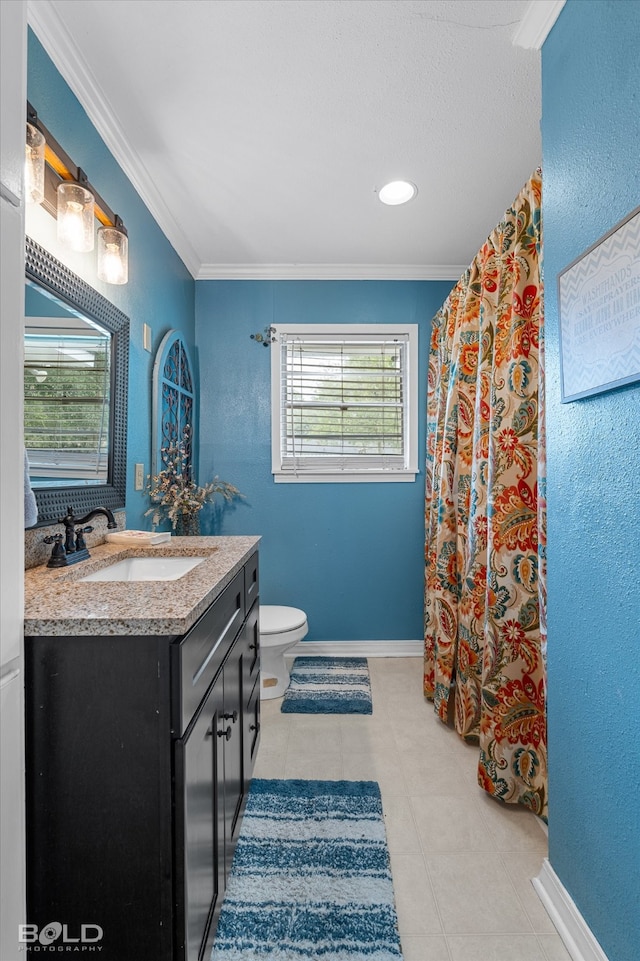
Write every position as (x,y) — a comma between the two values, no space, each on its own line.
(344,402)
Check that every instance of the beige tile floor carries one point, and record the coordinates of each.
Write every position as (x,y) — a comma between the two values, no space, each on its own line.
(462,863)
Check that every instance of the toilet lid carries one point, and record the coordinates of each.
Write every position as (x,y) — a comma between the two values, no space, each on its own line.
(276,620)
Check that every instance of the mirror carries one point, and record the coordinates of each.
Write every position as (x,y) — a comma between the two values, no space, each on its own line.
(76,388)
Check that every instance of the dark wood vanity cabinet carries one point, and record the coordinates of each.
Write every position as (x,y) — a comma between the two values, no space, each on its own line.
(140,751)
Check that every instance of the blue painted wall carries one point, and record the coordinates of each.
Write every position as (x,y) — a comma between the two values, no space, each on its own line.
(591,150)
(160,291)
(350,555)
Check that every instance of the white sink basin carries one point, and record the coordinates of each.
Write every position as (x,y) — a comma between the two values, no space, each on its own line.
(146,569)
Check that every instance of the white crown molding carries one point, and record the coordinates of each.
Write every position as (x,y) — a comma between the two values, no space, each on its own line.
(451,272)
(357,649)
(576,935)
(46,24)
(537,23)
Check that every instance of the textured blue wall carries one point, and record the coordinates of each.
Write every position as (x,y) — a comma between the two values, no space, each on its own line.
(591,150)
(160,291)
(350,555)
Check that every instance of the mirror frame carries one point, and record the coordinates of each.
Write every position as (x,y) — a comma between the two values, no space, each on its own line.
(44,270)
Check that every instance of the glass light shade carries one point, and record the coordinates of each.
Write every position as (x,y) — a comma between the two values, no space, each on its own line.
(397,192)
(113,255)
(75,217)
(34,165)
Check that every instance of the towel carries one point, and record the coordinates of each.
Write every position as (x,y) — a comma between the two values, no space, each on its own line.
(30,506)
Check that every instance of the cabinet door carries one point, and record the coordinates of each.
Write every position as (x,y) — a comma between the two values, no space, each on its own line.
(233,748)
(199,829)
(251,712)
(251,642)
(99,792)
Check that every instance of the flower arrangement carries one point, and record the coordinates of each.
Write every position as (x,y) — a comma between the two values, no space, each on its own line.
(175,495)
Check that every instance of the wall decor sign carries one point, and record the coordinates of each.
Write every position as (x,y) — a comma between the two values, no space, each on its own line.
(599,301)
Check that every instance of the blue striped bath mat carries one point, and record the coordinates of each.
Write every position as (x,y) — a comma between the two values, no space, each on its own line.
(328,685)
(310,877)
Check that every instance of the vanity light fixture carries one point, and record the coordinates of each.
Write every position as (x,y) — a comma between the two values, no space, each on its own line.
(397,192)
(69,197)
(113,253)
(75,213)
(34,165)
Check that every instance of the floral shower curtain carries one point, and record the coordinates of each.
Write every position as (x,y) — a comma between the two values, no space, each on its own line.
(485,509)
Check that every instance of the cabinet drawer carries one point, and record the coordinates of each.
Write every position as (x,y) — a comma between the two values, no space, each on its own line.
(251,581)
(199,656)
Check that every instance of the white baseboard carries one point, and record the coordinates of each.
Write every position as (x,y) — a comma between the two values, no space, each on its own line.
(571,926)
(358,649)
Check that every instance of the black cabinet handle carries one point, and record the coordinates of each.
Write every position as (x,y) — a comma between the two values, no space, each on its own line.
(231,717)
(254,727)
(226,734)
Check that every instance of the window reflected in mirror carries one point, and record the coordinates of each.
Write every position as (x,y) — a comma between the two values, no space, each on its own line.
(67,364)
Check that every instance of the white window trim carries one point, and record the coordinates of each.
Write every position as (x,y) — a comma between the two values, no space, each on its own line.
(348,475)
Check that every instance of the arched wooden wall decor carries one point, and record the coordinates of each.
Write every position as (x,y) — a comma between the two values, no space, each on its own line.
(174,402)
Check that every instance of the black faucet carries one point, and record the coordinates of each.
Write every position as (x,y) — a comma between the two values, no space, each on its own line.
(112,523)
(75,548)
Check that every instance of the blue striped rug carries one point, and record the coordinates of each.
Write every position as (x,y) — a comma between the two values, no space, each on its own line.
(310,877)
(328,685)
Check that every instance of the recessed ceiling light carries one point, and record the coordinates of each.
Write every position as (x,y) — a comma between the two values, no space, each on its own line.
(397,192)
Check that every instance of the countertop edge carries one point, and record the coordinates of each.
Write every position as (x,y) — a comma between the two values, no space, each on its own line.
(96,612)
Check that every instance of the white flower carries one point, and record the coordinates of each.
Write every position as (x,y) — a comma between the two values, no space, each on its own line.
(174,493)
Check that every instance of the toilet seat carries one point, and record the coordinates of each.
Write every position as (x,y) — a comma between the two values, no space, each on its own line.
(279,620)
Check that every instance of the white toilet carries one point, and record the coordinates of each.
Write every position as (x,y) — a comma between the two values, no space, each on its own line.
(280,628)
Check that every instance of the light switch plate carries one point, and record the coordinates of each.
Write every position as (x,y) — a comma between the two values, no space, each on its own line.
(146,337)
(139,477)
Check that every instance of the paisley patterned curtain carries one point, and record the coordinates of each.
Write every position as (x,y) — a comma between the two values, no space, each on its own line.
(485,509)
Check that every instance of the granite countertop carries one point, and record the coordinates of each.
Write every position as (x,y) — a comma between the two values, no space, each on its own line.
(57,603)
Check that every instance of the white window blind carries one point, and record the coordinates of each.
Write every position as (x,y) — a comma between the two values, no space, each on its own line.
(343,402)
(66,406)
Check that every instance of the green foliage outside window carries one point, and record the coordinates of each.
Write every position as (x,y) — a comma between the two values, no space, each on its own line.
(66,401)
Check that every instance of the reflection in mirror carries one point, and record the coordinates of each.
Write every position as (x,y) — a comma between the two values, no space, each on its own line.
(66,394)
(75,380)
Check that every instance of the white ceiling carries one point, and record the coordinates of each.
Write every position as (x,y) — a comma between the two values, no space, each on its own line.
(257,131)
